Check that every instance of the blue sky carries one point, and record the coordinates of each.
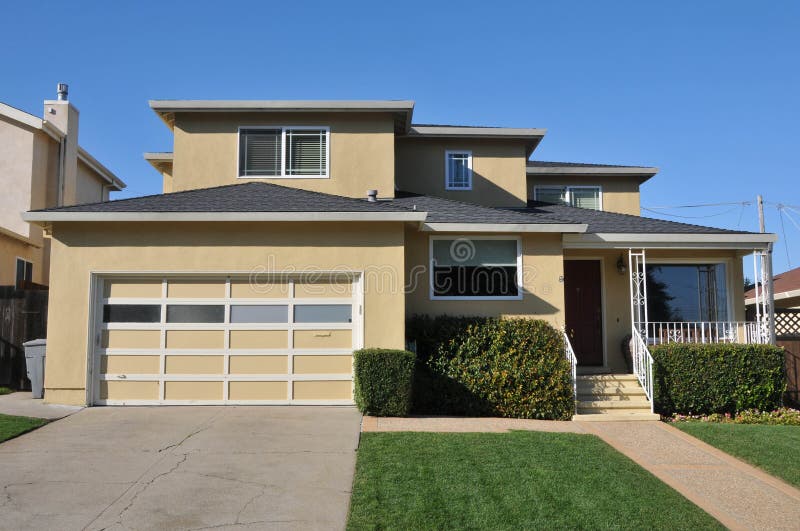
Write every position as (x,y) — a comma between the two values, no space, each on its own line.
(707,91)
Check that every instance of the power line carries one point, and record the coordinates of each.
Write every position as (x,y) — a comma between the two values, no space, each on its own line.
(700,205)
(694,217)
(783,230)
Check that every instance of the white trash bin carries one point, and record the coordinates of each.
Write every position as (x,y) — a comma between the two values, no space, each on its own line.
(34,361)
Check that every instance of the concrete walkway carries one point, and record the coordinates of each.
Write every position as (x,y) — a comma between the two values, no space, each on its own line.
(186,467)
(735,493)
(22,405)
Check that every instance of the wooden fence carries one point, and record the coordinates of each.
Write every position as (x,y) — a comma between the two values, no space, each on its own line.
(23,316)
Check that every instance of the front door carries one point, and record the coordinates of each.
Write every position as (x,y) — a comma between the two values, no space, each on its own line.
(584,309)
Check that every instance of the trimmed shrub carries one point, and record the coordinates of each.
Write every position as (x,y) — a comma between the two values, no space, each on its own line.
(383,380)
(701,379)
(496,367)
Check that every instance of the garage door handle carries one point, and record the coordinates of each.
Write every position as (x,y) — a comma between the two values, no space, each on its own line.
(322,334)
(121,376)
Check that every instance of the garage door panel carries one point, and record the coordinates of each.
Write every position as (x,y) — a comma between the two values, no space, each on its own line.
(130,339)
(196,289)
(218,340)
(328,364)
(192,390)
(130,364)
(119,390)
(258,391)
(322,390)
(259,365)
(322,339)
(194,364)
(135,288)
(195,339)
(259,339)
(245,289)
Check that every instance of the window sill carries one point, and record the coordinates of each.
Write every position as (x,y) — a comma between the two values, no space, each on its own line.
(283,177)
(456,298)
(451,189)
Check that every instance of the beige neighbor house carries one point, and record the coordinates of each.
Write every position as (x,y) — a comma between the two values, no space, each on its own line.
(42,166)
(292,232)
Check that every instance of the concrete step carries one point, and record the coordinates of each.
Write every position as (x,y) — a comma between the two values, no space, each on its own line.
(616,417)
(613,406)
(609,387)
(607,378)
(636,395)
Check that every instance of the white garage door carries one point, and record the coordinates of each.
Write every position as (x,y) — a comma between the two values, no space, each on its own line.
(226,340)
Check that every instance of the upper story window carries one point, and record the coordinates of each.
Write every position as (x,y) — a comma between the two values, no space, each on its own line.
(24,273)
(284,152)
(479,268)
(458,170)
(578,196)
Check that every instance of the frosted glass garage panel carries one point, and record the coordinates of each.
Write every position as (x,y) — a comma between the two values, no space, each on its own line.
(323,313)
(249,313)
(196,313)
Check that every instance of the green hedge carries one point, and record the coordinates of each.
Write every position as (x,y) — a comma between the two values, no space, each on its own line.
(490,367)
(692,378)
(383,380)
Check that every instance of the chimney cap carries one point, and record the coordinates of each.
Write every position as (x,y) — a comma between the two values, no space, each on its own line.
(62,91)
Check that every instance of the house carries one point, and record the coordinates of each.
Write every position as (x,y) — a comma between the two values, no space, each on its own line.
(292,232)
(42,166)
(786,287)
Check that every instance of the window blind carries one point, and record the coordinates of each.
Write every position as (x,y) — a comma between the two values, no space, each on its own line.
(260,152)
(585,198)
(306,152)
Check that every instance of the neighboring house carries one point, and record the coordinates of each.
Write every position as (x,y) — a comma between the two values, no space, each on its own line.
(42,166)
(785,286)
(296,231)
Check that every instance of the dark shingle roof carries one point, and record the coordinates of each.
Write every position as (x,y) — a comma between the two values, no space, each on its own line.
(244,197)
(612,222)
(442,210)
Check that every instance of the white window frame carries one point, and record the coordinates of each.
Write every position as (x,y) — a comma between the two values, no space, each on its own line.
(568,189)
(16,266)
(447,154)
(518,279)
(283,129)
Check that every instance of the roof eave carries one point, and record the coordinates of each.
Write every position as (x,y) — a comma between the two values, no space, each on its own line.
(505,227)
(747,241)
(47,217)
(107,175)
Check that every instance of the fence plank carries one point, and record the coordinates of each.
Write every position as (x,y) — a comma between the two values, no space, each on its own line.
(792,347)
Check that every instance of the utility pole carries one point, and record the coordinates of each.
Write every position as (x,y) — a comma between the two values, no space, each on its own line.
(766,275)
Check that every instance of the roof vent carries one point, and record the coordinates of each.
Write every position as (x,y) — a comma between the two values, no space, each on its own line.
(372,195)
(63,90)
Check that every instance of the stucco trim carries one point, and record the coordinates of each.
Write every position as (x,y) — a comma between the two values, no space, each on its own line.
(48,217)
(642,171)
(687,240)
(504,227)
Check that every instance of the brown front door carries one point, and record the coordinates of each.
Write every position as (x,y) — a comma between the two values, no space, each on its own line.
(583,306)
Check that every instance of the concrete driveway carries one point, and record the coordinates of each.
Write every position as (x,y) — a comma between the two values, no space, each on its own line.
(182,468)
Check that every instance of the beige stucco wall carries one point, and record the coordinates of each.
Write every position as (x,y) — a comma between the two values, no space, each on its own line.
(498,169)
(361,151)
(620,194)
(80,249)
(616,289)
(543,292)
(89,187)
(16,165)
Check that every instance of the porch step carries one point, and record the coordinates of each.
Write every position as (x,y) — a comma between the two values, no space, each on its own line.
(611,397)
(615,417)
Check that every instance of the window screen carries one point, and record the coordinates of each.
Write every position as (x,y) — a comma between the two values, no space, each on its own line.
(306,152)
(459,170)
(260,152)
(475,268)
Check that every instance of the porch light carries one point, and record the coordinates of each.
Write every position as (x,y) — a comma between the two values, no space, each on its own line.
(621,267)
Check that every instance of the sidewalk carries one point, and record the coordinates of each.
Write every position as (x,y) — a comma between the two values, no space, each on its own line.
(22,405)
(735,493)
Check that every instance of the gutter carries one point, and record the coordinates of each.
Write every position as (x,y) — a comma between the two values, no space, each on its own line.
(669,240)
(505,227)
(45,217)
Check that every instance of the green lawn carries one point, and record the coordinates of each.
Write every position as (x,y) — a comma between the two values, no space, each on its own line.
(518,480)
(776,449)
(12,426)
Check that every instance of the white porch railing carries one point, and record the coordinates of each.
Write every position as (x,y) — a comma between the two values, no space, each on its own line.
(643,366)
(573,361)
(704,332)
